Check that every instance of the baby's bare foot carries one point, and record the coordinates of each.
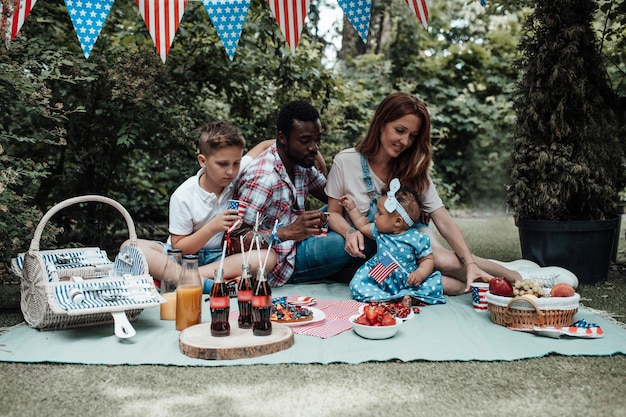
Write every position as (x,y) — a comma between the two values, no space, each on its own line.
(406,301)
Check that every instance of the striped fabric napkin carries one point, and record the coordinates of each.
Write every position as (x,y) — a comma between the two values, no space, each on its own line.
(337,314)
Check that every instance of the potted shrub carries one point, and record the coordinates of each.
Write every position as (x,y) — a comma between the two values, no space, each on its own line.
(568,161)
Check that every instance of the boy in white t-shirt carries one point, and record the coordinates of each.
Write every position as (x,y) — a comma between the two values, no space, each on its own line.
(198,211)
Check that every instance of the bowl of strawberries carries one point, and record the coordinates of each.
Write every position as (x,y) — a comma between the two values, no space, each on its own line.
(375,323)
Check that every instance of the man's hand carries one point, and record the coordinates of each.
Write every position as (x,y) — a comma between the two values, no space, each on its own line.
(308,223)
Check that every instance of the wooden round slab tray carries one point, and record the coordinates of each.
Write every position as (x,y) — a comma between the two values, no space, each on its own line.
(197,342)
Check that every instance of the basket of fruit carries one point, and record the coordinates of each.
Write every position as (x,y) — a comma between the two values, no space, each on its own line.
(527,304)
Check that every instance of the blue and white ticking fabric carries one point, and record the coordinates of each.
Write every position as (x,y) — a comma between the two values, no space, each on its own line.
(60,264)
(358,13)
(404,249)
(88,17)
(228,18)
(98,294)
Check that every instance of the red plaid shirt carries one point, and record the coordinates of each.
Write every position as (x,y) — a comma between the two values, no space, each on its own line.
(268,190)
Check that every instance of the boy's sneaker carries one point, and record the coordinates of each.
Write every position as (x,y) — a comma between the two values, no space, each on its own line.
(549,276)
(517,265)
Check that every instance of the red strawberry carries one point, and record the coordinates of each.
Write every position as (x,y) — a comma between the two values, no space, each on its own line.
(387,320)
(362,319)
(371,312)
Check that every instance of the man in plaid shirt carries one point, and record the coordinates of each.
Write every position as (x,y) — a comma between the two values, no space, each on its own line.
(275,185)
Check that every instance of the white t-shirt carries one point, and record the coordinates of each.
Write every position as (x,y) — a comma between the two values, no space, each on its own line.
(191,207)
(346,178)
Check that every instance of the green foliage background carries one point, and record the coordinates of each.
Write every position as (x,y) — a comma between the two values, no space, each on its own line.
(123,124)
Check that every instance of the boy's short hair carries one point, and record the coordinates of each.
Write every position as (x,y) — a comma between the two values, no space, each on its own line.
(219,134)
(409,199)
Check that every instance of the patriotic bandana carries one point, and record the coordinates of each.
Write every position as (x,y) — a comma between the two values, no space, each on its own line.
(392,204)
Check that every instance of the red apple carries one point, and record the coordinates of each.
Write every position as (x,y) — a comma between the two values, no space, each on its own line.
(501,286)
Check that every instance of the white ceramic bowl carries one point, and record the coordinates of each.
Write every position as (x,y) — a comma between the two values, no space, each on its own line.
(375,332)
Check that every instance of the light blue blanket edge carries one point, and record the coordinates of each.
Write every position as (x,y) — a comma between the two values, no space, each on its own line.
(449,332)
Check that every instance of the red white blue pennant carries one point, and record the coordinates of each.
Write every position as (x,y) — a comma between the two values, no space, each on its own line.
(420,8)
(13,18)
(228,18)
(162,18)
(358,13)
(290,15)
(88,17)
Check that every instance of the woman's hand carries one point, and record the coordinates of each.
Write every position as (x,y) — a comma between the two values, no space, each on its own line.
(474,273)
(355,243)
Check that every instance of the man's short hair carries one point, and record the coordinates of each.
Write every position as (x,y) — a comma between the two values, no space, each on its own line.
(295,110)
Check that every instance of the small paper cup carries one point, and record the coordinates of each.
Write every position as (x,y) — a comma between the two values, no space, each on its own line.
(479,296)
(238,205)
(324,228)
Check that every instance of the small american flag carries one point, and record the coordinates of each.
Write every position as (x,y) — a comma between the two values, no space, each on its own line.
(420,8)
(290,15)
(384,268)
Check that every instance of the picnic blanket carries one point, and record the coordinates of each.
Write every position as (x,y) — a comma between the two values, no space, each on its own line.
(447,332)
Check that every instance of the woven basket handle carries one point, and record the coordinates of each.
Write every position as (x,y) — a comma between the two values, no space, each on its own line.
(507,315)
(34,244)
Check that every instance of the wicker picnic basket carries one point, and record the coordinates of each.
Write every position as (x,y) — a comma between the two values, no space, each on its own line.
(45,278)
(526,312)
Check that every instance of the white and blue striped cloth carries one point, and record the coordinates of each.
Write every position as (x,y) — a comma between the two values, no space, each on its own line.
(107,293)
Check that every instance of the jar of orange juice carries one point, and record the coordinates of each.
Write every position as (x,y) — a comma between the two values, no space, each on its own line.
(189,294)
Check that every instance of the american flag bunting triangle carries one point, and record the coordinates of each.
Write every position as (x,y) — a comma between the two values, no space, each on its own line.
(358,13)
(420,8)
(228,17)
(13,24)
(290,15)
(162,18)
(88,17)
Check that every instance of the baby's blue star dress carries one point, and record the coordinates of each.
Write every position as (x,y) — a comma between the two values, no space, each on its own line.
(405,248)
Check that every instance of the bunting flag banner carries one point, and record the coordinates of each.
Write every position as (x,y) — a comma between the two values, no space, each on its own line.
(420,8)
(381,271)
(290,15)
(228,17)
(162,18)
(12,24)
(358,13)
(88,17)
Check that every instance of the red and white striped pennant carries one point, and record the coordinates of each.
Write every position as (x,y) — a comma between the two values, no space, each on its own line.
(420,8)
(290,15)
(13,24)
(162,18)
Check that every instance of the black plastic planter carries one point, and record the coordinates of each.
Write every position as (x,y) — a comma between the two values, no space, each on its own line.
(583,247)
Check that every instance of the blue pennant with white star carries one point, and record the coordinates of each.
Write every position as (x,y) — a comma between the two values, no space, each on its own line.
(88,17)
(358,13)
(228,17)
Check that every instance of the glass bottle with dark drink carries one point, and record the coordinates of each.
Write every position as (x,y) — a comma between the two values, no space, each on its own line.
(220,306)
(244,298)
(261,306)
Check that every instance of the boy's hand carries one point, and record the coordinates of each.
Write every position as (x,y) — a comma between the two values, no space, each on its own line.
(226,220)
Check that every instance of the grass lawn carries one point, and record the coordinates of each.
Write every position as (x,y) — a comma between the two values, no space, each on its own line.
(550,386)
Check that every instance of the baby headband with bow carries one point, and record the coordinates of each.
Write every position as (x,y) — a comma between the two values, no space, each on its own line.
(392,204)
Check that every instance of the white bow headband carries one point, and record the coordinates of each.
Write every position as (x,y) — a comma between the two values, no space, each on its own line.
(392,204)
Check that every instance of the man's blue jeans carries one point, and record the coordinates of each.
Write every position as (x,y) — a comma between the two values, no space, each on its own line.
(318,258)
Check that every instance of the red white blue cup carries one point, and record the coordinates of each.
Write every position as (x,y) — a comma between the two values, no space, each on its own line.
(479,296)
(324,228)
(238,205)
